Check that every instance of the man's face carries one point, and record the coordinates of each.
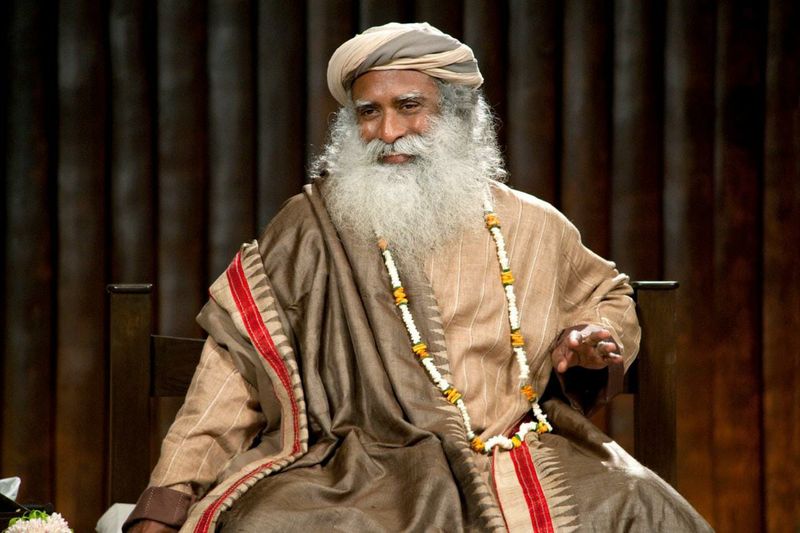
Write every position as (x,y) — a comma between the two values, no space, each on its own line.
(391,104)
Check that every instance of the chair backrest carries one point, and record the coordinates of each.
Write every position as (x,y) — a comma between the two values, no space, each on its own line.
(144,367)
(652,379)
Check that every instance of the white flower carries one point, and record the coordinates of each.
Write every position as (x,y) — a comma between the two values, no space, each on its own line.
(54,523)
(391,268)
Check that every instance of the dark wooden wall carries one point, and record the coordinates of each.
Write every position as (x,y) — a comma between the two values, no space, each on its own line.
(142,141)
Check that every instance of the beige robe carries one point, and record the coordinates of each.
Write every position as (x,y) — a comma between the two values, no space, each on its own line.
(558,284)
(309,358)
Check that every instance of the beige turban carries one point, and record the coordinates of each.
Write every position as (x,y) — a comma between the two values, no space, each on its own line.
(396,46)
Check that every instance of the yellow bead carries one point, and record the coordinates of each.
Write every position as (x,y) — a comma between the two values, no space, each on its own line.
(491,220)
(452,395)
(517,339)
(477,445)
(529,393)
(421,349)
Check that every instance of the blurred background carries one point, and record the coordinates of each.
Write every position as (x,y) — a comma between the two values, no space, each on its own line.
(142,141)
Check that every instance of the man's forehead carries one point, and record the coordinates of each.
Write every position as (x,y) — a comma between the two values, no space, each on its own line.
(411,95)
(393,84)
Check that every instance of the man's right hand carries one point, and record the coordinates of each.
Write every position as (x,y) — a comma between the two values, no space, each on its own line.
(587,345)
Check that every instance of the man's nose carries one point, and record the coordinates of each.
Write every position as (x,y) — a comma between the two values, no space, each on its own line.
(392,128)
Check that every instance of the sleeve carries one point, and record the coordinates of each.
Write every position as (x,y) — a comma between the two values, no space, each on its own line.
(595,292)
(246,399)
(220,419)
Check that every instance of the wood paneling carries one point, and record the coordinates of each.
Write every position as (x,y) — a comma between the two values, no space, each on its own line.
(131,146)
(737,260)
(484,28)
(80,368)
(144,141)
(688,232)
(637,148)
(586,90)
(4,57)
(378,12)
(280,106)
(534,97)
(231,130)
(329,24)
(781,303)
(447,15)
(26,449)
(182,163)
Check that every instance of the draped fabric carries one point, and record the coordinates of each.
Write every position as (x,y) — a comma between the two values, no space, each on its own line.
(353,434)
(372,413)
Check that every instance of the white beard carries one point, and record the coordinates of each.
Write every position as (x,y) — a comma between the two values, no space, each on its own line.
(417,206)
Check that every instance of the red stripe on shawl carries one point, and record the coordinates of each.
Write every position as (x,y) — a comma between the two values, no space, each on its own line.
(532,490)
(260,337)
(205,520)
(262,341)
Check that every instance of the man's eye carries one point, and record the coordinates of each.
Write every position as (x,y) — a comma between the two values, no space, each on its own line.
(409,106)
(366,112)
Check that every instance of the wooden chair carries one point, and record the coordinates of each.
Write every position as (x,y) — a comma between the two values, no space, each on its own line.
(145,367)
(142,368)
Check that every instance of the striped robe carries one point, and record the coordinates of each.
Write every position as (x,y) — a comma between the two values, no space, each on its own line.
(308,410)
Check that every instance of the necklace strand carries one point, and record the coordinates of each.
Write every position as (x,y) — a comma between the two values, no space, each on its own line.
(449,391)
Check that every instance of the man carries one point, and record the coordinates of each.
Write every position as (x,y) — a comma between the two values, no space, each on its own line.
(374,361)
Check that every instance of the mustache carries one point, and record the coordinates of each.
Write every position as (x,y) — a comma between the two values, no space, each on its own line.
(415,145)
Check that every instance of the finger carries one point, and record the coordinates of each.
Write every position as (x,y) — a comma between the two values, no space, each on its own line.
(598,335)
(606,347)
(574,339)
(598,356)
(565,360)
(560,364)
(561,357)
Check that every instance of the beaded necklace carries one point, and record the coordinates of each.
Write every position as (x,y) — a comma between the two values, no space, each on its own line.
(449,391)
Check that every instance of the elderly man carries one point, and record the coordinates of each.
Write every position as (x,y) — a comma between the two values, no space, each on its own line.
(374,361)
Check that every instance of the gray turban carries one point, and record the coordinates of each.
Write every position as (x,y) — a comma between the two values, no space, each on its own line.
(396,46)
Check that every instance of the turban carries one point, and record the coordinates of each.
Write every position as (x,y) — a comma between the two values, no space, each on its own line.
(396,46)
